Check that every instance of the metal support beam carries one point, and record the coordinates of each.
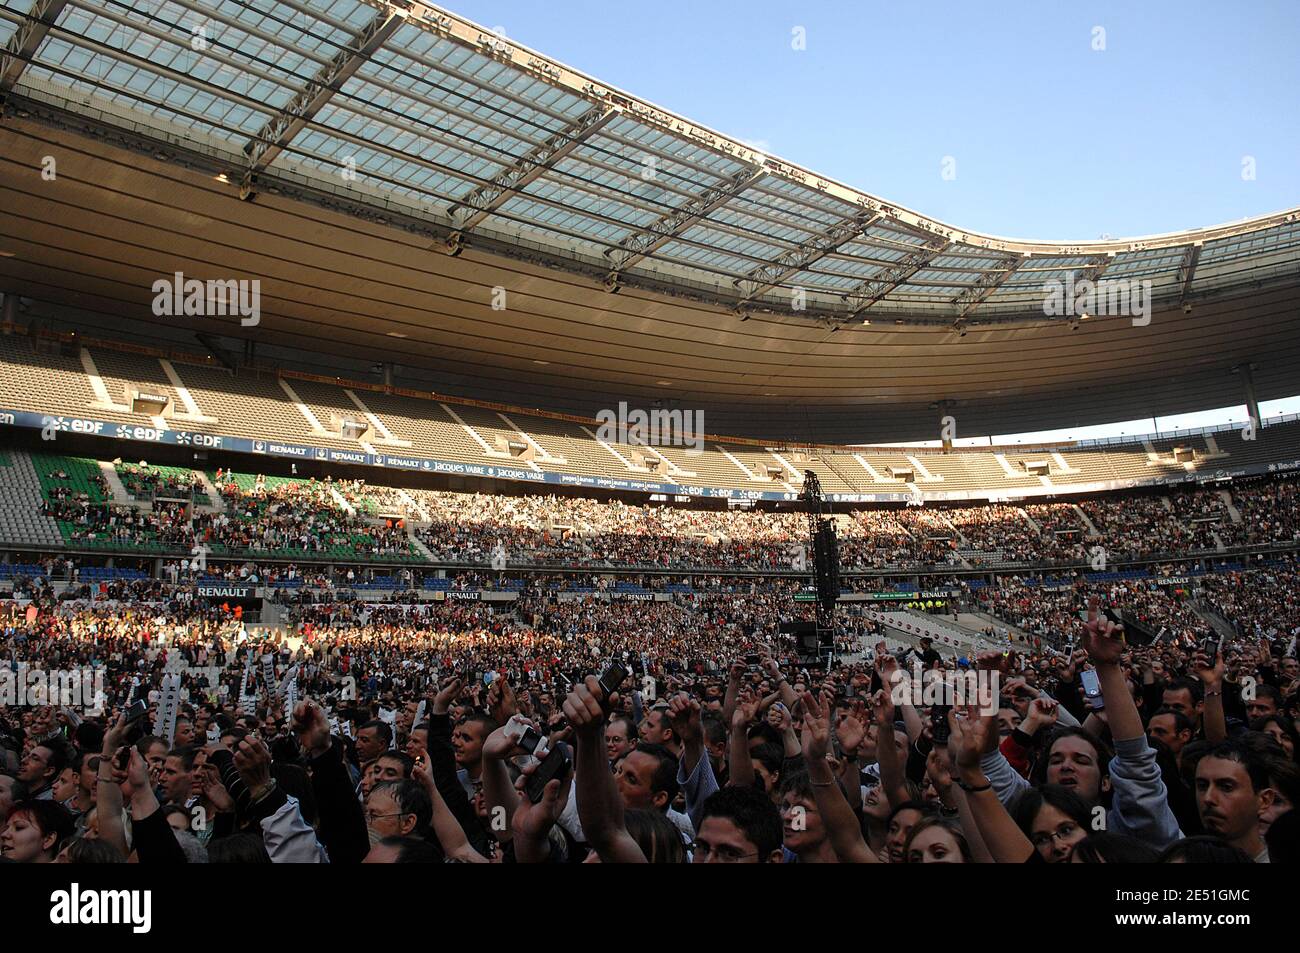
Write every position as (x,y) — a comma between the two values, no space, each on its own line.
(989,282)
(1093,271)
(659,233)
(484,200)
(768,276)
(1246,372)
(27,39)
(284,126)
(875,289)
(1187,271)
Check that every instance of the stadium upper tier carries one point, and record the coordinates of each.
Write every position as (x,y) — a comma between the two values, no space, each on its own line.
(432,194)
(147,399)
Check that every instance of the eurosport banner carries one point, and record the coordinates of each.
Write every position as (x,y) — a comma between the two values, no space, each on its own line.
(52,423)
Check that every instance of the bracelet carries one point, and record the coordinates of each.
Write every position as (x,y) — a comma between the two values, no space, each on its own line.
(974,789)
(1210,694)
(823,784)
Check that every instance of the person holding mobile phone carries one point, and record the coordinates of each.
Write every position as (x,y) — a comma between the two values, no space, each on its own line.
(1128,784)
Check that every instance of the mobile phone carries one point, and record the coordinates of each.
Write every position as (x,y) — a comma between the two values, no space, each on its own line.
(556,764)
(613,676)
(939,728)
(123,757)
(1211,647)
(531,739)
(1092,689)
(136,712)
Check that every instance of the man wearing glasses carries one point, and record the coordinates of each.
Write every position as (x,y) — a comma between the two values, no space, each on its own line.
(739,825)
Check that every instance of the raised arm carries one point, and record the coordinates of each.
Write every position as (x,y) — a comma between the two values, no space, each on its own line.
(451,836)
(342,822)
(1103,640)
(841,823)
(1212,716)
(1140,805)
(499,795)
(108,792)
(600,806)
(1002,837)
(938,766)
(740,765)
(892,778)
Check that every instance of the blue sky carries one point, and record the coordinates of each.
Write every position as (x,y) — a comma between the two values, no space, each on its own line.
(1052,139)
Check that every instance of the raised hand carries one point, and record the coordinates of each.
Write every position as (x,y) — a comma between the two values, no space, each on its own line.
(311,728)
(253,762)
(991,662)
(882,709)
(684,712)
(939,770)
(746,710)
(772,668)
(582,707)
(423,770)
(448,694)
(816,738)
(972,736)
(1102,639)
(499,745)
(536,820)
(778,716)
(502,704)
(851,731)
(1042,713)
(1211,673)
(887,667)
(113,737)
(213,791)
(137,772)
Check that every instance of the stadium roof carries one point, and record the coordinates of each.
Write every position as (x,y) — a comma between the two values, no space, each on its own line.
(384,167)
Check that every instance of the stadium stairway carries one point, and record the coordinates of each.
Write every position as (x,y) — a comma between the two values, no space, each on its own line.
(1093,532)
(414,507)
(342,503)
(1233,513)
(418,546)
(116,489)
(1038,530)
(210,489)
(1215,621)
